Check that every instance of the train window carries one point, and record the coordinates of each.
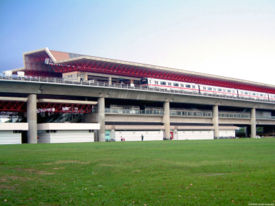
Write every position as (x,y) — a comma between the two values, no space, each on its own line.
(204,87)
(188,86)
(156,82)
(176,84)
(246,93)
(193,86)
(254,94)
(182,85)
(261,95)
(162,83)
(169,83)
(209,88)
(228,90)
(219,90)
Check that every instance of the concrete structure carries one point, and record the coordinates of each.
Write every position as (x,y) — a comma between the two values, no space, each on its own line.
(66,132)
(11,133)
(101,119)
(216,121)
(253,123)
(85,89)
(32,119)
(166,119)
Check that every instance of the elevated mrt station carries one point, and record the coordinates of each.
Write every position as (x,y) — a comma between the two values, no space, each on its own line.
(65,97)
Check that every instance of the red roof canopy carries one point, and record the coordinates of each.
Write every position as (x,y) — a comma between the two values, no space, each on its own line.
(63,62)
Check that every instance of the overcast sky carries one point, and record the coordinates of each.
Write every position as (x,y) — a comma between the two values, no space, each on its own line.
(234,38)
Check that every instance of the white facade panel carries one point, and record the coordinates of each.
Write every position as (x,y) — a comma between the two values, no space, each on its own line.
(65,136)
(136,135)
(8,137)
(195,135)
(14,126)
(227,134)
(68,126)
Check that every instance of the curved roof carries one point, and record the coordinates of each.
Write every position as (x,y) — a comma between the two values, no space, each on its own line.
(78,62)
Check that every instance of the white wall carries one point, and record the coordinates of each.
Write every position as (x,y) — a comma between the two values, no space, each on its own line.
(194,135)
(8,137)
(227,133)
(136,135)
(65,136)
(68,126)
(14,126)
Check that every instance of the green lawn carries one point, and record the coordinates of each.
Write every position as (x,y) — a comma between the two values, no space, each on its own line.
(219,172)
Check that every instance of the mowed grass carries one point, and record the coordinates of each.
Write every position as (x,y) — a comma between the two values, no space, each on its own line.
(219,172)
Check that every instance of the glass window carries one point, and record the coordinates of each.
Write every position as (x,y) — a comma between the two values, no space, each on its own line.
(182,85)
(209,88)
(188,86)
(169,83)
(219,90)
(162,83)
(193,86)
(176,84)
(156,82)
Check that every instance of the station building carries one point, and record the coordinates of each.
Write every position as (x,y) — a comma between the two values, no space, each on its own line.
(66,97)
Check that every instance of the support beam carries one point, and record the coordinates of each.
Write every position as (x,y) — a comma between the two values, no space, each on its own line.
(112,135)
(101,118)
(32,118)
(253,123)
(216,121)
(109,80)
(166,119)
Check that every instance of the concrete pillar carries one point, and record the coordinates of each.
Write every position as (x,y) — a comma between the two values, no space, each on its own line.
(175,134)
(253,123)
(101,119)
(109,80)
(216,121)
(166,119)
(32,118)
(112,135)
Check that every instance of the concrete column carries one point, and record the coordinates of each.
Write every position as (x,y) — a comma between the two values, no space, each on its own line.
(166,119)
(175,134)
(253,123)
(109,80)
(32,118)
(101,119)
(216,121)
(112,135)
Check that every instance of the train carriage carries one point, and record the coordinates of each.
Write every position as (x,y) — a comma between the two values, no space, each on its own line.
(218,91)
(271,97)
(245,94)
(170,85)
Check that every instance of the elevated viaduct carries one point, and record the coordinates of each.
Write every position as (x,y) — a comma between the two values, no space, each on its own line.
(105,97)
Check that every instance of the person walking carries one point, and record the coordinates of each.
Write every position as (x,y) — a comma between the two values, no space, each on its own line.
(142,137)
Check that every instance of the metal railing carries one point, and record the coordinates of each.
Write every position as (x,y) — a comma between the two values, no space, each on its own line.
(93,83)
(186,113)
(234,115)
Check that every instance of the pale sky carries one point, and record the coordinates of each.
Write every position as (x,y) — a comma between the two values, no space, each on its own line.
(233,38)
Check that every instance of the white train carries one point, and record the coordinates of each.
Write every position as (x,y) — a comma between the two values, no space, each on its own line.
(205,89)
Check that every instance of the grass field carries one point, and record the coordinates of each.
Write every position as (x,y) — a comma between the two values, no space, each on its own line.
(219,172)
